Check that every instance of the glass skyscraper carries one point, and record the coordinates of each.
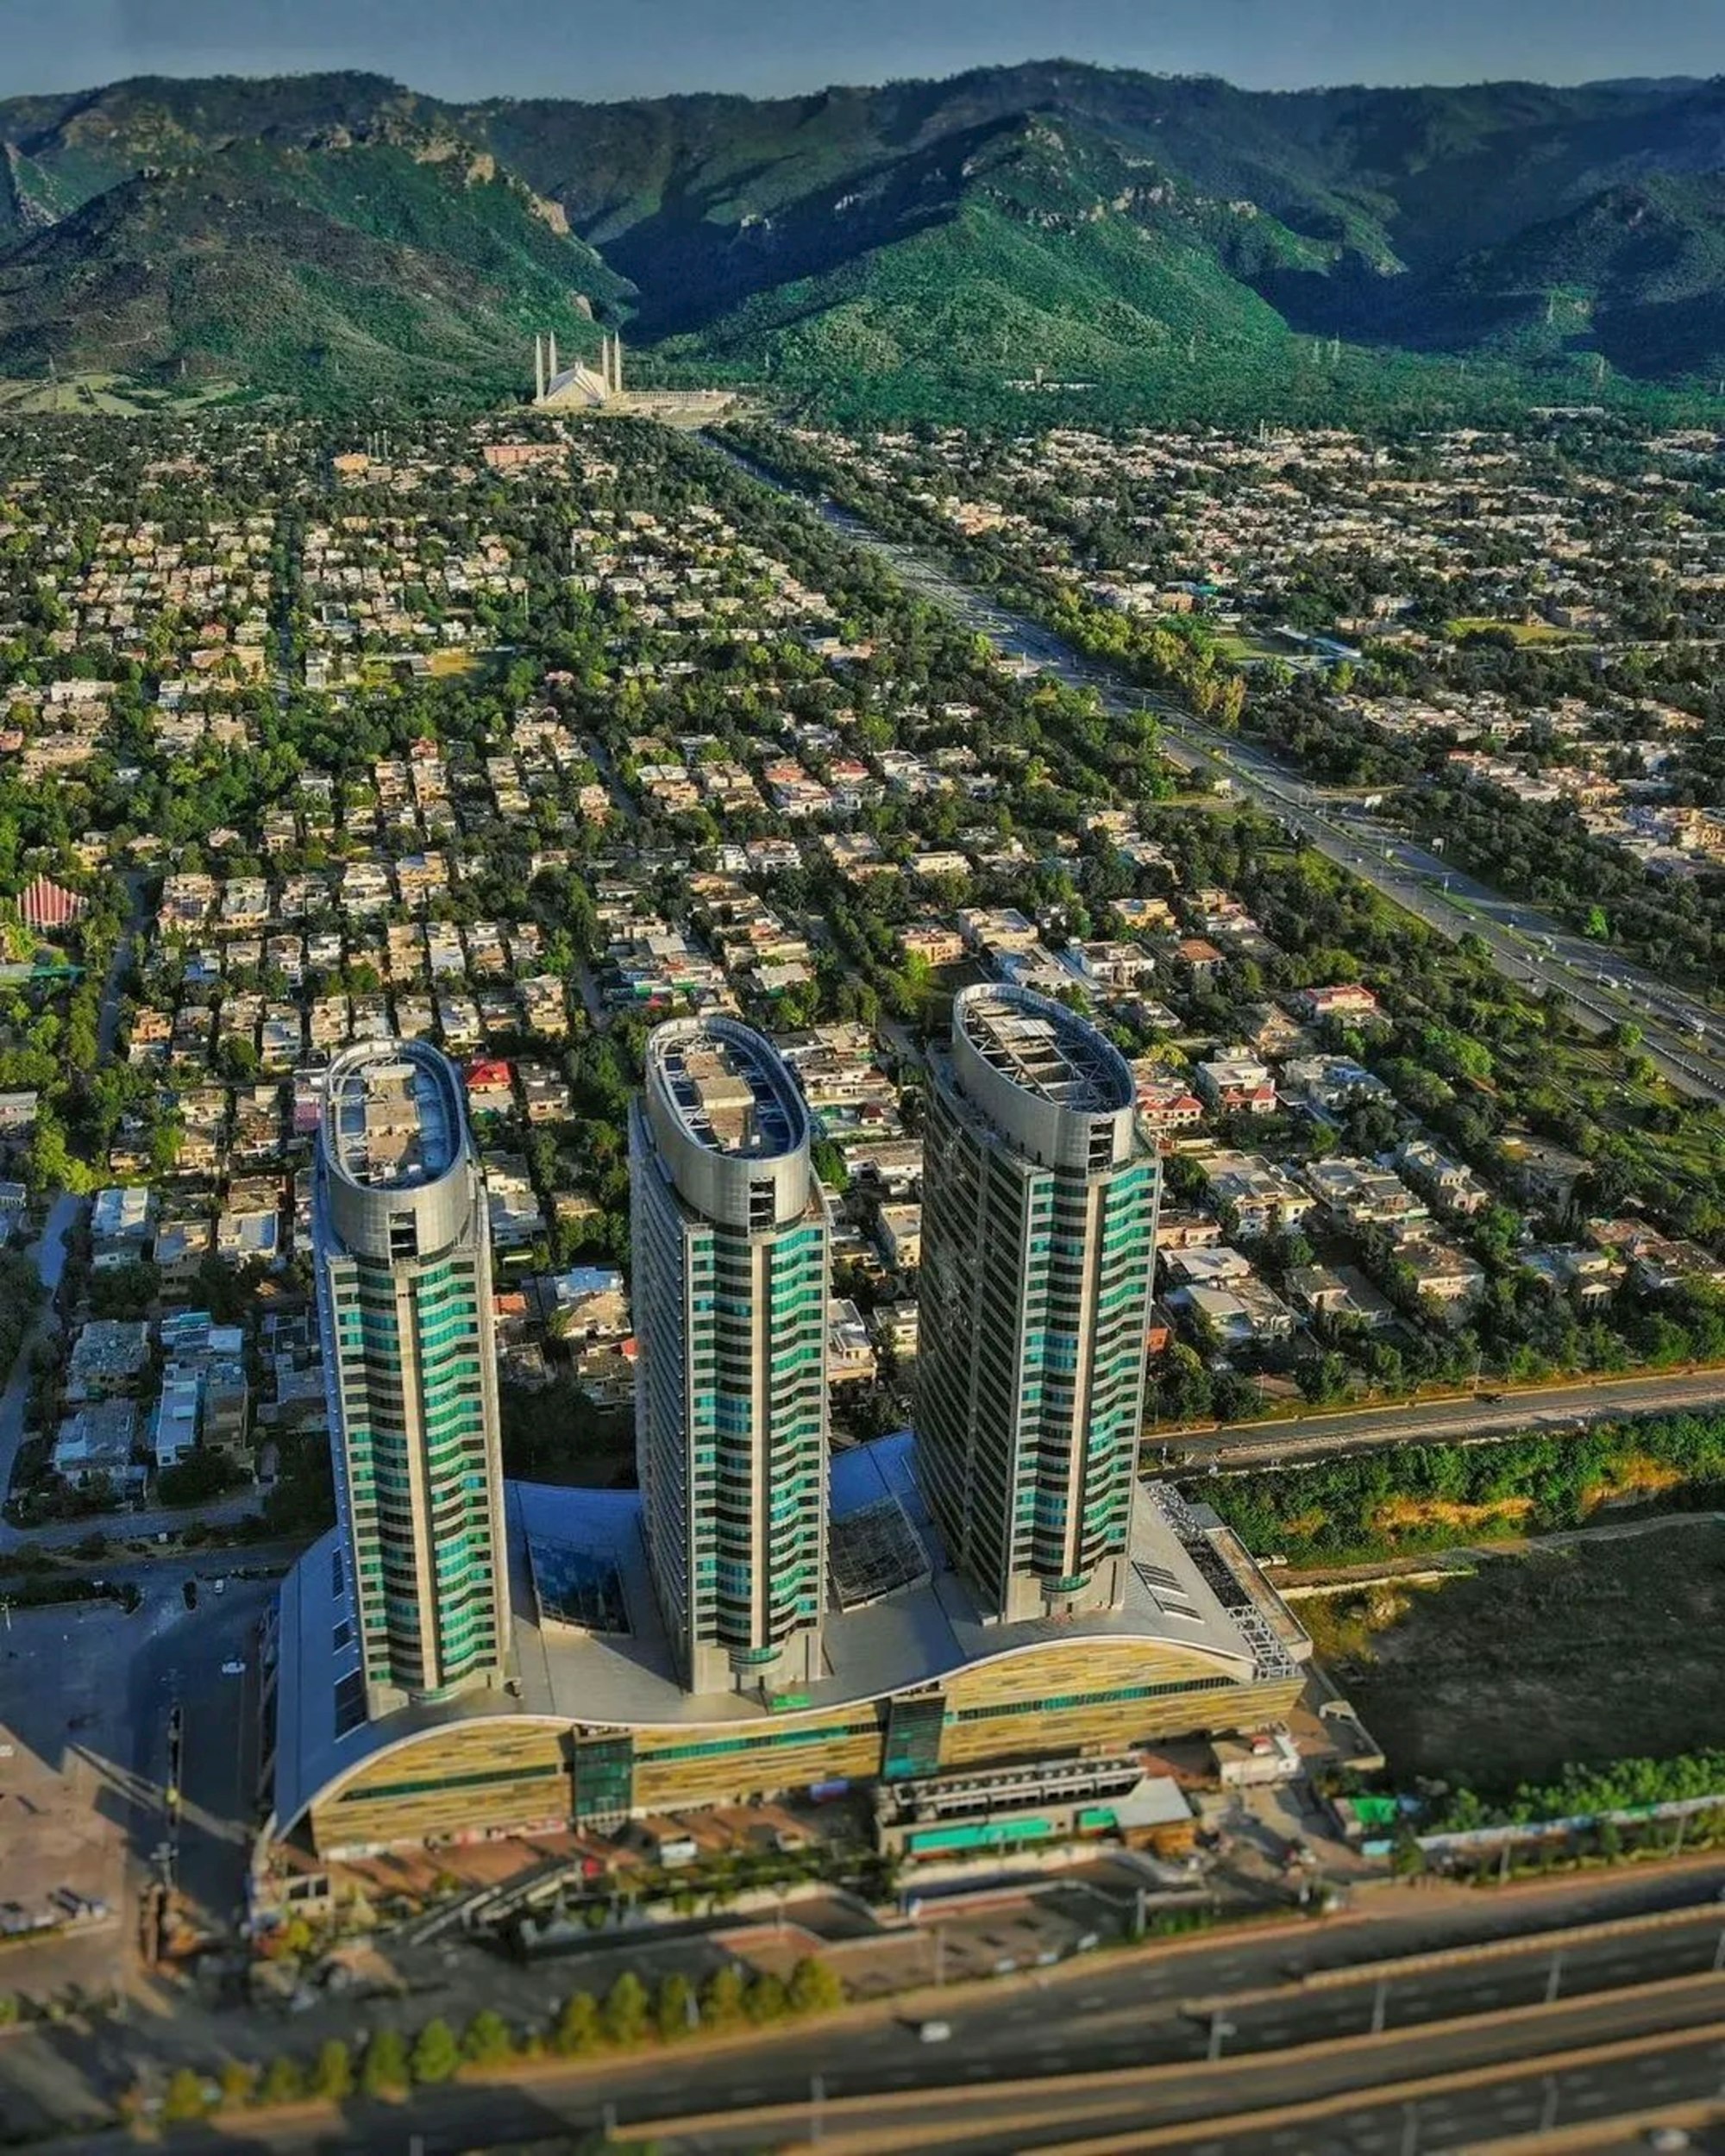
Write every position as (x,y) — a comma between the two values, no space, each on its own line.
(403,1254)
(732,1241)
(1039,1208)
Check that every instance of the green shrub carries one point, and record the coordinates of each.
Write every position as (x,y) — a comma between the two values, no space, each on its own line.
(436,2053)
(383,2071)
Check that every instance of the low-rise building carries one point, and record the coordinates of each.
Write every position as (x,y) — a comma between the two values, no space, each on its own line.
(850,1353)
(1330,1085)
(95,1442)
(1449,1184)
(107,1358)
(1262,1198)
(1358,1193)
(122,1222)
(1236,1085)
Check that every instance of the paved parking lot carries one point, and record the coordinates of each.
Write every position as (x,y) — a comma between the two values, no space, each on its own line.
(64,1802)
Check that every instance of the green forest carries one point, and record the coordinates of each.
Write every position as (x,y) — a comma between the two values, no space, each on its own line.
(1405,1498)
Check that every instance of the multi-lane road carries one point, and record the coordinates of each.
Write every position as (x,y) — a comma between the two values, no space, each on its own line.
(1684,1037)
(1465,2007)
(1552,1408)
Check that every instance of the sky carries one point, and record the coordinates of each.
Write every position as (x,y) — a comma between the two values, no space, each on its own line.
(473,48)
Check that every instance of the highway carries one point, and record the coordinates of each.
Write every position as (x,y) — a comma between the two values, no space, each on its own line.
(1443,1982)
(1685,1039)
(1493,1414)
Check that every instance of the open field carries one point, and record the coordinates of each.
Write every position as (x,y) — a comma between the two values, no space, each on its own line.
(109,393)
(1524,632)
(1601,1651)
(1239,646)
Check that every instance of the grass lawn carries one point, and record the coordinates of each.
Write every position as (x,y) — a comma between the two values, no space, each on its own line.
(109,393)
(1524,632)
(1593,1653)
(1238,647)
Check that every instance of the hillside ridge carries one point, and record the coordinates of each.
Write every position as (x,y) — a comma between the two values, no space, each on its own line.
(913,246)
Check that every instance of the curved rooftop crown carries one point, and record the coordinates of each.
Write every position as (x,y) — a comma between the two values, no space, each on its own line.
(1043,1049)
(727,1089)
(393,1117)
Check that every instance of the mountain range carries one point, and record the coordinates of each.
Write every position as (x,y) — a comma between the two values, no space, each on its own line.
(1176,244)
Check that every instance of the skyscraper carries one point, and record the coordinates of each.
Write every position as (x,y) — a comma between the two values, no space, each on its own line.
(730,1241)
(1040,1204)
(402,1246)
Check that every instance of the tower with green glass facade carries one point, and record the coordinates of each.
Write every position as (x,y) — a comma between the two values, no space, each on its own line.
(731,1244)
(1038,1236)
(403,1254)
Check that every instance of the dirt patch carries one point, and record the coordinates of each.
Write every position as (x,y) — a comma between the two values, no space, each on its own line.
(1344,1626)
(1402,1513)
(1633,1481)
(1591,1652)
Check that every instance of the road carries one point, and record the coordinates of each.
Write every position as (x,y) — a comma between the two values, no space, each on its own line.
(1296,2008)
(1438,2094)
(181,1659)
(114,985)
(1684,1037)
(1545,1407)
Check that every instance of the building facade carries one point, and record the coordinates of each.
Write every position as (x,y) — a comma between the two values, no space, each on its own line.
(731,1257)
(600,1726)
(1040,1205)
(403,1258)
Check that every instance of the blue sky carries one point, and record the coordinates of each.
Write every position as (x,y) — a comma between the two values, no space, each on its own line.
(640,47)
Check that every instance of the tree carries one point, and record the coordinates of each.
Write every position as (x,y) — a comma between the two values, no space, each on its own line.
(436,2053)
(576,2031)
(815,1987)
(383,2071)
(184,2100)
(332,2077)
(767,2000)
(623,2017)
(239,2080)
(487,2041)
(283,2081)
(829,1163)
(671,2007)
(722,1997)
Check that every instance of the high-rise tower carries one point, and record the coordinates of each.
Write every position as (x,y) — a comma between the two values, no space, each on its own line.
(403,1244)
(731,1241)
(1039,1205)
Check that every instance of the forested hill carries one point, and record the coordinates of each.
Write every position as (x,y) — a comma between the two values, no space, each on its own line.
(1177,243)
